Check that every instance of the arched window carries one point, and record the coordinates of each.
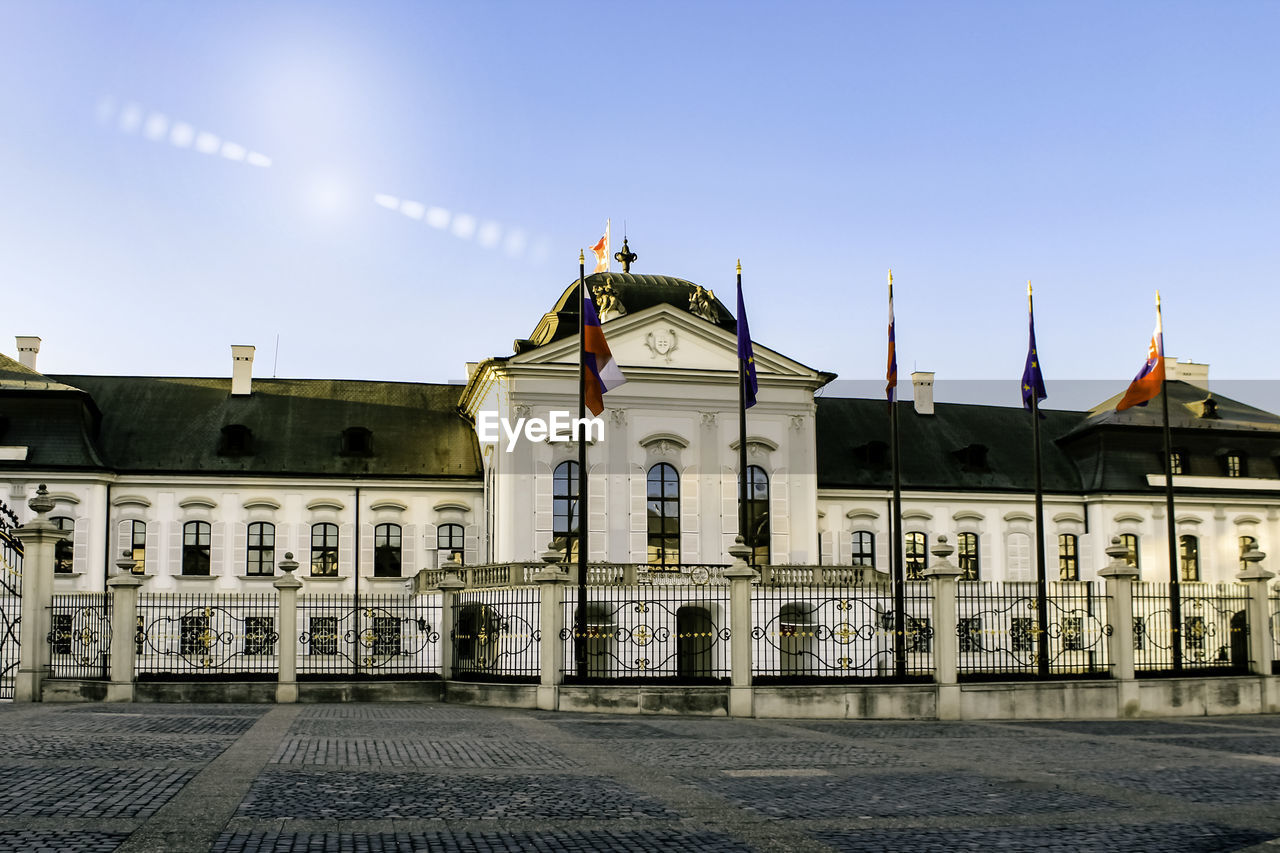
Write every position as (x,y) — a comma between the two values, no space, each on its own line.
(449,544)
(757,513)
(64,551)
(1246,542)
(386,551)
(1068,557)
(915,554)
(664,515)
(967,556)
(324,550)
(564,508)
(262,549)
(1134,557)
(863,549)
(196,551)
(133,540)
(1189,557)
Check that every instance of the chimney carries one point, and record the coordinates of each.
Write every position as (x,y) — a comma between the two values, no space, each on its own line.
(241,370)
(28,349)
(923,382)
(1189,372)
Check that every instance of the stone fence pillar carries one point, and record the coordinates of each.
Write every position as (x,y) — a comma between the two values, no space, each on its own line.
(39,538)
(287,597)
(123,589)
(551,581)
(1119,576)
(946,646)
(449,589)
(740,577)
(1255,578)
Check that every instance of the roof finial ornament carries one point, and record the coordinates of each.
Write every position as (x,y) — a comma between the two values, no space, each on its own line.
(626,257)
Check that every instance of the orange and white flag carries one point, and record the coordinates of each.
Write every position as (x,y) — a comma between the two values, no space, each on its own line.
(601,248)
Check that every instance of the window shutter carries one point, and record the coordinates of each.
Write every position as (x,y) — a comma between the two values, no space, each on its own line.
(152,548)
(884,556)
(284,545)
(80,544)
(987,568)
(639,516)
(366,549)
(690,545)
(175,548)
(1084,555)
(470,544)
(729,503)
(542,504)
(429,547)
(346,548)
(409,551)
(302,553)
(1019,548)
(239,548)
(779,519)
(217,547)
(827,555)
(123,542)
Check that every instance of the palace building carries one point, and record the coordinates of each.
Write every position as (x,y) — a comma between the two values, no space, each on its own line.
(207,482)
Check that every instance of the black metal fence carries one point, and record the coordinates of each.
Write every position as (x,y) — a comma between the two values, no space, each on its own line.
(816,633)
(999,635)
(387,636)
(208,635)
(80,635)
(673,629)
(1215,627)
(496,635)
(10,610)
(1274,625)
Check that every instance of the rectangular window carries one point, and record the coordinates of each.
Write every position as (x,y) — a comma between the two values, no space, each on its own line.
(60,634)
(195,638)
(259,635)
(1022,633)
(967,552)
(914,555)
(196,552)
(324,550)
(386,551)
(133,542)
(324,635)
(970,634)
(1073,633)
(261,558)
(1068,557)
(386,635)
(64,551)
(864,549)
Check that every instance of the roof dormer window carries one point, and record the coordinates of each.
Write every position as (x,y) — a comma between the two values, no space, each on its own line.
(236,440)
(1233,464)
(873,454)
(357,441)
(973,459)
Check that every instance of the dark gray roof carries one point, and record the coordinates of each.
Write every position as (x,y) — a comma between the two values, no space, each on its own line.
(16,377)
(941,451)
(162,425)
(1187,410)
(635,292)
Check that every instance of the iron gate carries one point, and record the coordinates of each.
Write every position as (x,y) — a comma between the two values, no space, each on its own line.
(10,610)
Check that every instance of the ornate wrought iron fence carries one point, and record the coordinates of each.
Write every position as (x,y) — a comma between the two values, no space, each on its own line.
(496,634)
(207,635)
(998,630)
(1215,627)
(10,610)
(376,636)
(80,635)
(665,630)
(804,632)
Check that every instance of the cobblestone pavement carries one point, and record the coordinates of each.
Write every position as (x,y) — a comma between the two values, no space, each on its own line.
(232,778)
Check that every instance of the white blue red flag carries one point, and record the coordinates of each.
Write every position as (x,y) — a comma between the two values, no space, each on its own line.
(891,373)
(603,373)
(1150,379)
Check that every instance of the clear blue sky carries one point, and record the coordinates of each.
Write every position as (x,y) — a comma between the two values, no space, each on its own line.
(1103,150)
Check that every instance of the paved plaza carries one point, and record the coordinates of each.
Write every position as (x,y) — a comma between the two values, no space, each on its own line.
(356,777)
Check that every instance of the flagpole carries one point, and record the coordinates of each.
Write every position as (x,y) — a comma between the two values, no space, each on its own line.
(742,438)
(1175,589)
(1042,583)
(895,529)
(580,628)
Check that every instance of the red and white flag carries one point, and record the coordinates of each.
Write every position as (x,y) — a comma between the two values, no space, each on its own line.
(601,248)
